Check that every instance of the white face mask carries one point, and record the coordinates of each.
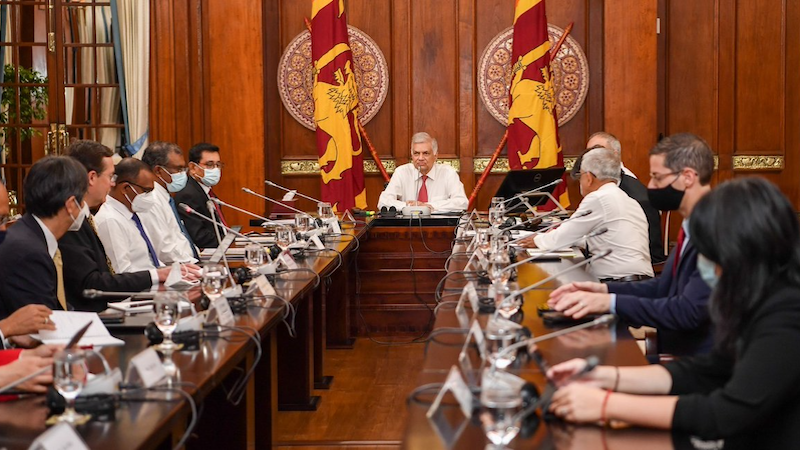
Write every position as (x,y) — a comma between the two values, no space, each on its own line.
(143,202)
(211,176)
(77,222)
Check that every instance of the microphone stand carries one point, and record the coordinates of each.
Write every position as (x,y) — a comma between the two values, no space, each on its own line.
(220,202)
(551,277)
(550,227)
(273,201)
(270,183)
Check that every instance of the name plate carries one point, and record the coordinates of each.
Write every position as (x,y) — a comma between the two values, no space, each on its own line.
(146,367)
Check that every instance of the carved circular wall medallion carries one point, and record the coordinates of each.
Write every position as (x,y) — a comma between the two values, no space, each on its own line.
(296,83)
(570,72)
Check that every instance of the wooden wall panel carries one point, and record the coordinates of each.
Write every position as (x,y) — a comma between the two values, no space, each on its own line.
(729,69)
(631,79)
(760,77)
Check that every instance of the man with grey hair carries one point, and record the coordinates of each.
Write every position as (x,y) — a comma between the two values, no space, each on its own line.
(422,182)
(162,222)
(608,140)
(611,208)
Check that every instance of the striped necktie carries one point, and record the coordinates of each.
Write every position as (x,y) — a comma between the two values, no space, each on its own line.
(150,249)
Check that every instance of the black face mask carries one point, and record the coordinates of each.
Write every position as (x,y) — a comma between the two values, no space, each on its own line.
(665,199)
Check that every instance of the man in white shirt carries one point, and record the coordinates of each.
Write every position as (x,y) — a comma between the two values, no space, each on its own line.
(163,225)
(126,241)
(627,234)
(422,182)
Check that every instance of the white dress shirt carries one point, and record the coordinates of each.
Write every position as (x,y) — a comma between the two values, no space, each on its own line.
(627,171)
(124,245)
(445,190)
(627,234)
(49,238)
(165,233)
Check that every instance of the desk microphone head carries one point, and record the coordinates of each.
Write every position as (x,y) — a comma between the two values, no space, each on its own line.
(248,190)
(91,293)
(186,208)
(269,183)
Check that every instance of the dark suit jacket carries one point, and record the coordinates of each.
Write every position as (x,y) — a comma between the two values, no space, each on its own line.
(753,398)
(85,267)
(637,191)
(201,231)
(676,305)
(27,272)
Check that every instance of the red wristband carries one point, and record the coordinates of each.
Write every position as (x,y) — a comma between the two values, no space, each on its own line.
(603,416)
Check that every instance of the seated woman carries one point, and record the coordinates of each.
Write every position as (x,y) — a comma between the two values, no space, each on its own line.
(748,388)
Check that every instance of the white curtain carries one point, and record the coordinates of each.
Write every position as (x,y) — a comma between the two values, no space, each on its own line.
(133,19)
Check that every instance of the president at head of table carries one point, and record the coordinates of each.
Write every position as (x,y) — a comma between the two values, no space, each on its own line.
(422,182)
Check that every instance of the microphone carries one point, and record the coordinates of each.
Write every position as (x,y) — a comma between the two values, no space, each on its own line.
(270,183)
(94,293)
(532,191)
(190,210)
(605,319)
(543,216)
(551,226)
(220,202)
(553,277)
(273,201)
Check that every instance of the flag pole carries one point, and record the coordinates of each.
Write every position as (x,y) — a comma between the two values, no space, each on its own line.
(363,132)
(502,144)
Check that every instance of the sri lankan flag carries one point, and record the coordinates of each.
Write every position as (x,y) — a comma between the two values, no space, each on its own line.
(336,107)
(532,124)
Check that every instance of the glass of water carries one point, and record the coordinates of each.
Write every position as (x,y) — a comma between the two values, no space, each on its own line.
(167,308)
(498,263)
(214,279)
(483,237)
(497,202)
(284,236)
(500,405)
(69,377)
(325,210)
(496,216)
(302,222)
(254,256)
(506,302)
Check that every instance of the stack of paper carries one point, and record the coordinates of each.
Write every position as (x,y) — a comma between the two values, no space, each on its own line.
(69,322)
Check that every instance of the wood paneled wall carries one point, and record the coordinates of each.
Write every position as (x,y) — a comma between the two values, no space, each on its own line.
(721,68)
(730,71)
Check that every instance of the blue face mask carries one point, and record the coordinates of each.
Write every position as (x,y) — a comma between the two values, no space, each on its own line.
(178,182)
(211,176)
(708,271)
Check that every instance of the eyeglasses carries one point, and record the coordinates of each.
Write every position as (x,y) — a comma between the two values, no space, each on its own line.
(578,175)
(212,164)
(174,170)
(113,178)
(146,190)
(658,177)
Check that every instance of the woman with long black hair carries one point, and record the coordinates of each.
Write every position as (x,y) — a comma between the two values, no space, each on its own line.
(748,388)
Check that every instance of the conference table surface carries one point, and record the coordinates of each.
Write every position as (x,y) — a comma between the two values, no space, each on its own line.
(150,422)
(612,345)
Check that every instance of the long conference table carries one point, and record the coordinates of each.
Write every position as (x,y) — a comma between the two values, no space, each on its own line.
(291,367)
(612,345)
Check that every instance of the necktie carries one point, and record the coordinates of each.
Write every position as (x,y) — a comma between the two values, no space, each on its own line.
(150,249)
(423,191)
(183,227)
(678,249)
(94,228)
(211,194)
(62,298)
